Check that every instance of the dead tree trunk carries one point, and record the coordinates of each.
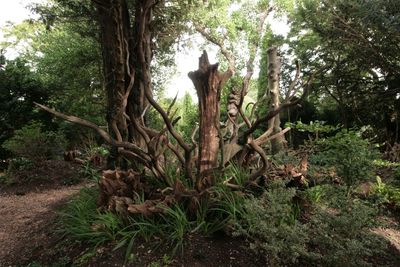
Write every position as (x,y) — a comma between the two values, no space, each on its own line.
(208,82)
(274,72)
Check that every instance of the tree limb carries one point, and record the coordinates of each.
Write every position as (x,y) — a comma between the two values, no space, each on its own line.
(130,146)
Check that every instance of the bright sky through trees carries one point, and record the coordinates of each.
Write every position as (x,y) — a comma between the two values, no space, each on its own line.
(15,11)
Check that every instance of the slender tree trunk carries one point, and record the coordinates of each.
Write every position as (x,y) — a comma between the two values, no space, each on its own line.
(274,72)
(208,82)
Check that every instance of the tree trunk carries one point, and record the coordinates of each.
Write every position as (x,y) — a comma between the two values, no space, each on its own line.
(208,82)
(274,72)
(127,56)
(142,57)
(115,32)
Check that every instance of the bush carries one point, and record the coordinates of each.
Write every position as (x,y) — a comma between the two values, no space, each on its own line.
(385,194)
(32,143)
(19,164)
(271,223)
(342,237)
(333,231)
(349,153)
(15,167)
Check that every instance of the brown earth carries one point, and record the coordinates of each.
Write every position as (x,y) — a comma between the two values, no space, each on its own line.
(26,220)
(28,230)
(28,234)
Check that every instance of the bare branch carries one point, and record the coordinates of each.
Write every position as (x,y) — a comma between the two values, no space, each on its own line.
(172,104)
(192,136)
(174,149)
(290,102)
(130,146)
(245,119)
(227,54)
(168,122)
(262,139)
(293,83)
(264,159)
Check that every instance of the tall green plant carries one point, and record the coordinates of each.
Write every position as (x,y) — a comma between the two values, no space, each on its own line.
(350,154)
(32,143)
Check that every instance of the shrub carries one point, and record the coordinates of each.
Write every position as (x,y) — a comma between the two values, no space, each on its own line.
(271,223)
(385,194)
(341,237)
(90,172)
(351,156)
(19,164)
(334,232)
(32,143)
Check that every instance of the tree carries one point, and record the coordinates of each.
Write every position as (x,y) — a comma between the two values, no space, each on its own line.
(352,37)
(19,89)
(127,55)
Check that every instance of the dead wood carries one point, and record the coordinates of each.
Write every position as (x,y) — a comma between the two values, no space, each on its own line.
(208,82)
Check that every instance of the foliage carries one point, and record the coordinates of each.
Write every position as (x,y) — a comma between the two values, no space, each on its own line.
(81,220)
(273,225)
(315,194)
(15,167)
(332,231)
(350,154)
(34,144)
(352,38)
(341,236)
(385,194)
(19,164)
(90,169)
(19,88)
(189,114)
(63,58)
(90,172)
(317,128)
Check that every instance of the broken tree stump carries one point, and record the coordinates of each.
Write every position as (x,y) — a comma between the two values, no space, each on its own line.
(208,82)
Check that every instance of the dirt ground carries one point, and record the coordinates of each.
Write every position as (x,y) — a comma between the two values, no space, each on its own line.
(27,235)
(28,231)
(25,220)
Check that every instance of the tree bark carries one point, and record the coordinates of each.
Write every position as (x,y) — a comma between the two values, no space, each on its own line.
(115,30)
(127,56)
(115,33)
(208,82)
(274,72)
(142,57)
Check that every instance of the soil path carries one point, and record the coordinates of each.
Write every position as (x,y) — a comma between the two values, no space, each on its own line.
(25,221)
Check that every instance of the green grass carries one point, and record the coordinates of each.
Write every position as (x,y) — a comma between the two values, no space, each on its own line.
(82,221)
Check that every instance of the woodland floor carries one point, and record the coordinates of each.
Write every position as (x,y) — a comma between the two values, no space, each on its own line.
(28,235)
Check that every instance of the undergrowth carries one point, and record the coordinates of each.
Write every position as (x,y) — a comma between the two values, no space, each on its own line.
(323,225)
(83,221)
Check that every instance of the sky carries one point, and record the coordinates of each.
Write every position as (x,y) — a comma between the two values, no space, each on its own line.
(15,11)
